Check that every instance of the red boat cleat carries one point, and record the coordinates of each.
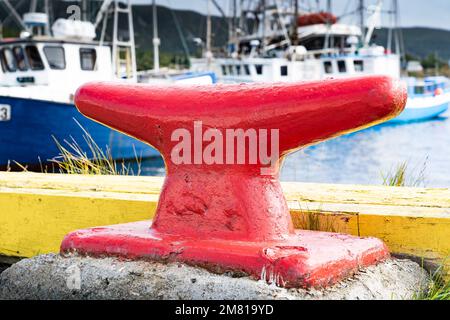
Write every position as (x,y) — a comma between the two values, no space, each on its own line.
(222,207)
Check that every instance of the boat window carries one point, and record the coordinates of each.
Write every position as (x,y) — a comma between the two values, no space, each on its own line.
(341,66)
(419,90)
(224,70)
(34,58)
(230,70)
(284,71)
(328,67)
(21,61)
(8,60)
(259,69)
(359,65)
(55,57)
(238,70)
(247,69)
(88,58)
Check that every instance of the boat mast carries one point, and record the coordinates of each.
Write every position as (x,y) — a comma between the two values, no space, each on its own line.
(295,24)
(33,5)
(400,32)
(48,11)
(156,40)
(232,22)
(361,9)
(84,10)
(391,27)
(263,6)
(396,26)
(235,26)
(329,39)
(241,16)
(234,17)
(208,35)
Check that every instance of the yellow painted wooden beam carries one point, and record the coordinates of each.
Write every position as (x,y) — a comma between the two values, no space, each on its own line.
(37,210)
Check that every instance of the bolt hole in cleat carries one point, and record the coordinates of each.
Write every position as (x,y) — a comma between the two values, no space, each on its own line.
(221,206)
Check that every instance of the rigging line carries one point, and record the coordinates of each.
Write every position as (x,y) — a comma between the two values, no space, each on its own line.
(348,14)
(345,12)
(218,7)
(10,15)
(224,16)
(179,31)
(280,23)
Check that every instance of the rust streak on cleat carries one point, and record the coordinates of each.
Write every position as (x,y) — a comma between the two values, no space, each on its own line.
(225,210)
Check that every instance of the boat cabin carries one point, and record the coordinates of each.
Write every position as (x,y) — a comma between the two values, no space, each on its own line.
(430,86)
(27,62)
(308,67)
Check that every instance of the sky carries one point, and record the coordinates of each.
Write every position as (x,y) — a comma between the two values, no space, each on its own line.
(427,13)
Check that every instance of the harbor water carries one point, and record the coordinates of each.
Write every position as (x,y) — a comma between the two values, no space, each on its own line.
(365,157)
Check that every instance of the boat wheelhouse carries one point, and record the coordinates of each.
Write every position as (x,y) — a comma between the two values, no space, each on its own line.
(50,65)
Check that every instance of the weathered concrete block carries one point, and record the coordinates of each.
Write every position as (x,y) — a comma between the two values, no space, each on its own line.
(55,277)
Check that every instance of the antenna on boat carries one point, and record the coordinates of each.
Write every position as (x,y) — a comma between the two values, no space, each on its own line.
(156,40)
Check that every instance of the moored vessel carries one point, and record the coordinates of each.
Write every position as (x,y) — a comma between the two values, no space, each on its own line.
(274,41)
(41,71)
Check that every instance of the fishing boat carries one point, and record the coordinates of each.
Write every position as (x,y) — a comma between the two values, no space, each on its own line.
(41,70)
(427,99)
(275,42)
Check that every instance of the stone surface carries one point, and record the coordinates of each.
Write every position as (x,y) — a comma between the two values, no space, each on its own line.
(55,277)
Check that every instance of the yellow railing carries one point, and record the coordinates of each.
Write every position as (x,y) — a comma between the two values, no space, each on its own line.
(37,210)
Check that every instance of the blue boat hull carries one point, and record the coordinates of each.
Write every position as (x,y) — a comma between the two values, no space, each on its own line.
(420,114)
(27,136)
